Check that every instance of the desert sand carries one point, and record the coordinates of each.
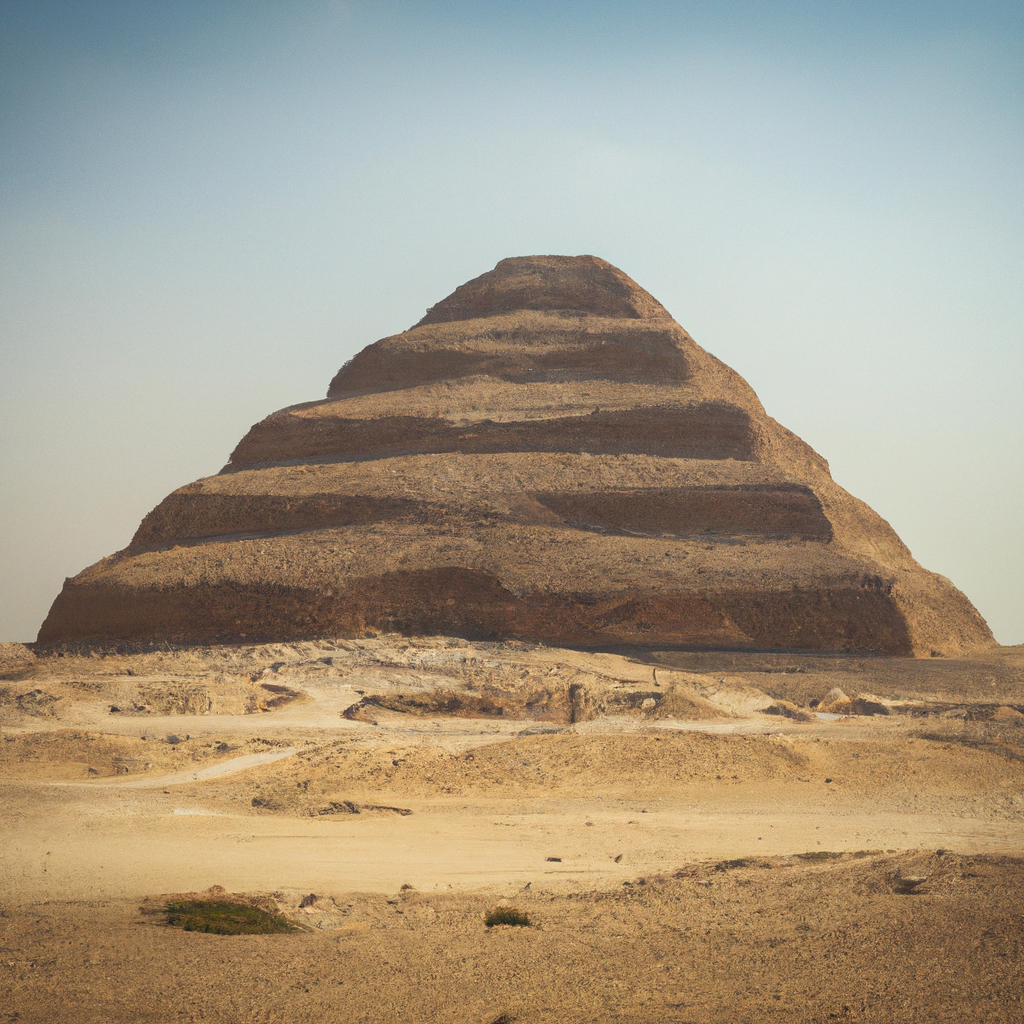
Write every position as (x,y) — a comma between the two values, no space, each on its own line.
(696,836)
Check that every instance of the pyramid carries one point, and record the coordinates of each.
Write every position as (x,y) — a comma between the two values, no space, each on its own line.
(546,456)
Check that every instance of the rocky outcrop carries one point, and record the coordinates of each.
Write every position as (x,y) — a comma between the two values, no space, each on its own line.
(547,456)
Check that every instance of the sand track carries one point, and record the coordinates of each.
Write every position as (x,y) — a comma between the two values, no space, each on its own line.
(216,771)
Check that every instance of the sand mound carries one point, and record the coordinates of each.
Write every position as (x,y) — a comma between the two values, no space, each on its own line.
(546,456)
(14,657)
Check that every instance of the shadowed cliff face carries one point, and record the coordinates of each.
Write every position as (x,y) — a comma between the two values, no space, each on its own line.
(545,456)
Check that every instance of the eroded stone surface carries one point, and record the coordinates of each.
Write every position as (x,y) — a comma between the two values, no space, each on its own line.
(547,456)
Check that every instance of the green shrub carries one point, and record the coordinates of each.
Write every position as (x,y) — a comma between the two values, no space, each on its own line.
(507,915)
(219,917)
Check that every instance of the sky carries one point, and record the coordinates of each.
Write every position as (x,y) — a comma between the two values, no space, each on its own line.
(205,209)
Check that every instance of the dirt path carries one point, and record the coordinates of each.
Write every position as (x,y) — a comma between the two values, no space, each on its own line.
(230,767)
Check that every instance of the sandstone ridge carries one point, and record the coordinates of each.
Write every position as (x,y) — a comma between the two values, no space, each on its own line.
(546,456)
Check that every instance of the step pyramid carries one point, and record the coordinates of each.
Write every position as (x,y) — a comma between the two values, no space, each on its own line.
(546,456)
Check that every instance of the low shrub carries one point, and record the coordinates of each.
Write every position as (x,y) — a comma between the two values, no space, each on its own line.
(507,915)
(220,917)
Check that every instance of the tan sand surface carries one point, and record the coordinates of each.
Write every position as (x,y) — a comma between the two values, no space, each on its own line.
(685,855)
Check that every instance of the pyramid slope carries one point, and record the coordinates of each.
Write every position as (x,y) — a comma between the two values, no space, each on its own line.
(584,283)
(546,456)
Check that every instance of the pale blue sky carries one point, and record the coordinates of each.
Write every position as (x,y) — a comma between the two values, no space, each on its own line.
(206,209)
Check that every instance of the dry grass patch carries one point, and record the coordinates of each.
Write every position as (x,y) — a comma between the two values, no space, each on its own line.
(222,917)
(507,915)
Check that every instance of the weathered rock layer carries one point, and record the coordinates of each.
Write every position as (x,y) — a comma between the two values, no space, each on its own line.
(547,456)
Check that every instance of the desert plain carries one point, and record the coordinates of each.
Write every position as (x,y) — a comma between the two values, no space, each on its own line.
(695,836)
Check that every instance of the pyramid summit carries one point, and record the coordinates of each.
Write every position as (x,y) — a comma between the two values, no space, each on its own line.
(546,456)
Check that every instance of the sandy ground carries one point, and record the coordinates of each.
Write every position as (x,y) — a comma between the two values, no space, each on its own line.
(685,855)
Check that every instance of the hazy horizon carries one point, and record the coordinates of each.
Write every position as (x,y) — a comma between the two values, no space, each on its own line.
(206,210)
